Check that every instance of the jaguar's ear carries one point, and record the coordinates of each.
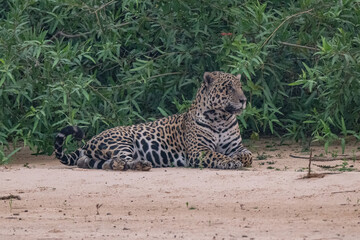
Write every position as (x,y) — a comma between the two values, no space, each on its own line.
(208,79)
(238,76)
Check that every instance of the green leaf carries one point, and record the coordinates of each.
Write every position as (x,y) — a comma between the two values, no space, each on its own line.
(35,124)
(297,83)
(343,127)
(326,146)
(86,95)
(343,145)
(163,112)
(90,58)
(55,62)
(65,98)
(2,80)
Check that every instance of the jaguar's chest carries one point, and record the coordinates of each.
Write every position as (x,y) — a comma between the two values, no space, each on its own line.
(224,134)
(220,140)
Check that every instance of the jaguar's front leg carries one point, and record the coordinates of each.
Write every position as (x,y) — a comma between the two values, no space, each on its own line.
(240,153)
(211,159)
(245,157)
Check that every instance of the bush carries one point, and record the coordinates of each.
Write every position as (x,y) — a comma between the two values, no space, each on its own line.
(99,64)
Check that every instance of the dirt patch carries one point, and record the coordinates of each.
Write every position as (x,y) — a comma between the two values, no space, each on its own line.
(43,199)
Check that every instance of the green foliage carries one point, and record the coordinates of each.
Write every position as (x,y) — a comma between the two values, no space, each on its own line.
(99,64)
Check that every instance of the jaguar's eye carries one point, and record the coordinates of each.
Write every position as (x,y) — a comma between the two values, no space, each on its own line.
(231,88)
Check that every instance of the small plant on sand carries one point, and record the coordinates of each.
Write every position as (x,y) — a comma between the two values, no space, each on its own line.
(345,167)
(98,206)
(201,160)
(5,158)
(262,156)
(191,207)
(10,204)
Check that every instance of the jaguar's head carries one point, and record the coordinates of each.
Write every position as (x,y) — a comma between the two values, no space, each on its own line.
(223,92)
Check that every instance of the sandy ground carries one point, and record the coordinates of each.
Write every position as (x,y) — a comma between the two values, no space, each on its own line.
(268,201)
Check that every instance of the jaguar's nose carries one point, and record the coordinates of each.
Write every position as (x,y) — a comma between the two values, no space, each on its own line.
(243,100)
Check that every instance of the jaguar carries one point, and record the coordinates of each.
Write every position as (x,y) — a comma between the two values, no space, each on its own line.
(205,136)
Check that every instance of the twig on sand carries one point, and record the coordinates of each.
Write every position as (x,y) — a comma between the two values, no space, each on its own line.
(312,175)
(325,159)
(344,191)
(8,197)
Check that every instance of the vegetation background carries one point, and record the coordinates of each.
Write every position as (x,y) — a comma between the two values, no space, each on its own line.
(103,63)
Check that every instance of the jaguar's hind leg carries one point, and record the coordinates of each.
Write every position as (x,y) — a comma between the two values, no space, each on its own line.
(124,158)
(141,165)
(88,162)
(83,162)
(107,165)
(125,164)
(118,164)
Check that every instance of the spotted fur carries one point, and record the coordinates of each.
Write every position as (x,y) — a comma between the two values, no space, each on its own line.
(207,135)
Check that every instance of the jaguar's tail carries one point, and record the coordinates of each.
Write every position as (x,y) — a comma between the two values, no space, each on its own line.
(71,158)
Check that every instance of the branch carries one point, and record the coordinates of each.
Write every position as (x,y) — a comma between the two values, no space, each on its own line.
(309,172)
(299,46)
(68,35)
(164,74)
(150,78)
(104,5)
(286,19)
